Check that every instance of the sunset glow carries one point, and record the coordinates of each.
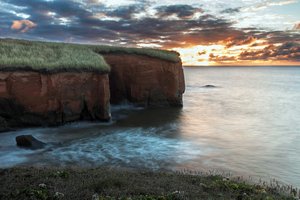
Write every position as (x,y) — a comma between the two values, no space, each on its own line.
(221,54)
(198,55)
(257,32)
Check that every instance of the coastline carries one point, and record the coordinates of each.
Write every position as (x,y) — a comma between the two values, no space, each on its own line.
(49,84)
(116,183)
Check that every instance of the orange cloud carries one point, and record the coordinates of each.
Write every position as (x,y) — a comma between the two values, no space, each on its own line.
(23,25)
(221,59)
(239,42)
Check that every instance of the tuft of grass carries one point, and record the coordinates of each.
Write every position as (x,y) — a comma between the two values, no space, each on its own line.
(58,57)
(49,57)
(60,174)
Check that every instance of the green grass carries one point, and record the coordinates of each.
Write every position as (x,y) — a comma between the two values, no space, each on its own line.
(171,56)
(115,184)
(49,57)
(54,57)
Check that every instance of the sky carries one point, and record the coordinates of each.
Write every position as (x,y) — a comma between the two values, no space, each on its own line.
(204,32)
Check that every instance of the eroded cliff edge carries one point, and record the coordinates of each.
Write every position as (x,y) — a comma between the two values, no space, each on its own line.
(145,80)
(44,84)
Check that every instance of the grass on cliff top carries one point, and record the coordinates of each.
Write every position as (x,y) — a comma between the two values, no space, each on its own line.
(52,57)
(171,56)
(49,57)
(113,184)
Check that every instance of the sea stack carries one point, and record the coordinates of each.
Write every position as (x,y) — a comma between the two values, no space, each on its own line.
(145,80)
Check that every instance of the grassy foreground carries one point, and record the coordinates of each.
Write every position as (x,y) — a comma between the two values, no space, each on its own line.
(54,57)
(110,184)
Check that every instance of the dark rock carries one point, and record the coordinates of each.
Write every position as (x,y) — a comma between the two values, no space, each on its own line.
(209,86)
(28,141)
(3,124)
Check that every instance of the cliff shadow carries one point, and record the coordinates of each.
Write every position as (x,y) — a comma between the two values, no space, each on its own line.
(150,117)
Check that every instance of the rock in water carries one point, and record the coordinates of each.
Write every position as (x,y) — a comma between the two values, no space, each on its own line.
(28,141)
(210,86)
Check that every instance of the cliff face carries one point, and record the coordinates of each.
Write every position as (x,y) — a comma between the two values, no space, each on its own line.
(145,80)
(32,98)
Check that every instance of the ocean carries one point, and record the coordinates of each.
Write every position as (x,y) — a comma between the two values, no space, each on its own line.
(247,125)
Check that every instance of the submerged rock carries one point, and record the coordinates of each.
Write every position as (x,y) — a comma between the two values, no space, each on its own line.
(209,86)
(28,141)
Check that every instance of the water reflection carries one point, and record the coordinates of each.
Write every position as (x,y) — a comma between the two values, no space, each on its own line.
(248,125)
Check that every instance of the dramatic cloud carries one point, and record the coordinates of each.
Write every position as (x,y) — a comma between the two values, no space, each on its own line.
(275,37)
(181,11)
(240,41)
(22,25)
(235,28)
(221,59)
(126,12)
(231,10)
(286,51)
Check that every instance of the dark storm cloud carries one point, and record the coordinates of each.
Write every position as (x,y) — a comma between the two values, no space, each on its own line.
(84,25)
(65,8)
(48,15)
(279,36)
(181,11)
(231,10)
(287,51)
(126,12)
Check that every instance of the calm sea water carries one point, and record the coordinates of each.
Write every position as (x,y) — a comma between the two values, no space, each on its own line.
(248,125)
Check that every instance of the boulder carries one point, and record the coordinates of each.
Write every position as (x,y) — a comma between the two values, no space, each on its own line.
(28,141)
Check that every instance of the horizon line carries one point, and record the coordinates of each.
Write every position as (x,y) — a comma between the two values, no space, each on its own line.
(241,65)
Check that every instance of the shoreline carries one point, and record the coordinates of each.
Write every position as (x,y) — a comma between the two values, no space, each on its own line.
(118,183)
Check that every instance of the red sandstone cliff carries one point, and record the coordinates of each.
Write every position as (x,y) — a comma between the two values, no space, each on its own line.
(32,98)
(145,80)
